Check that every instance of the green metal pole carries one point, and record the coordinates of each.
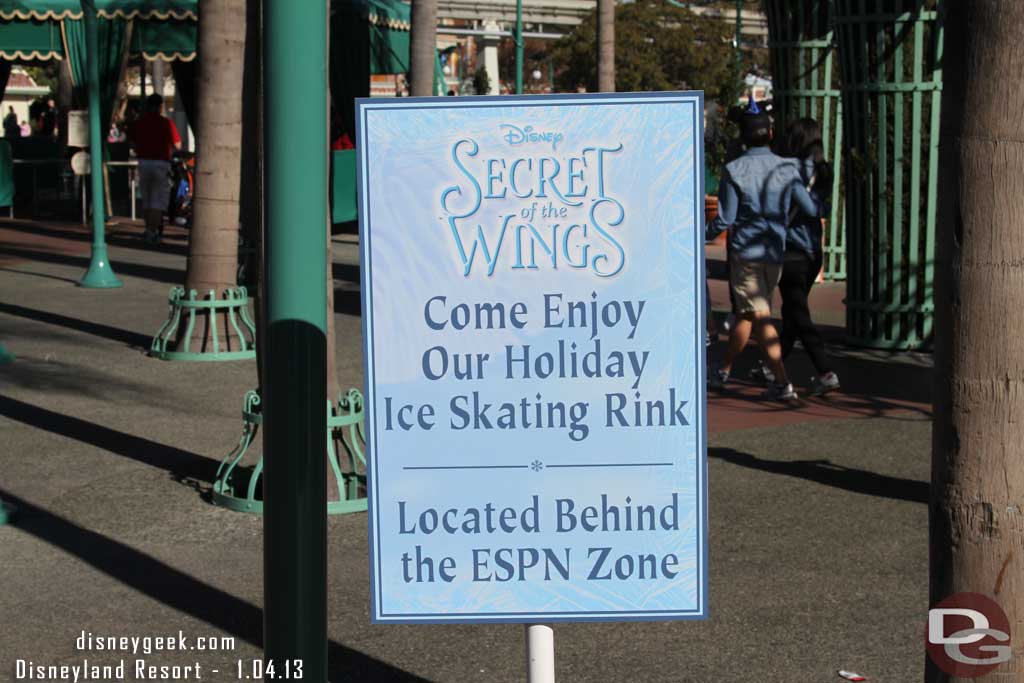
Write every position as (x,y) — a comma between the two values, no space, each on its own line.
(100,275)
(519,47)
(295,359)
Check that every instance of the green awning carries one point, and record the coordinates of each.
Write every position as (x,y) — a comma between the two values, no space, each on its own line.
(167,40)
(389,23)
(54,10)
(389,14)
(161,29)
(389,50)
(30,39)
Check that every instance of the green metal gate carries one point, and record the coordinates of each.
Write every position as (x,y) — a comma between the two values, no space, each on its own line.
(891,54)
(806,85)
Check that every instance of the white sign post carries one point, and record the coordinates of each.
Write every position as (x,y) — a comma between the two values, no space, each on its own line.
(540,654)
(533,312)
(78,128)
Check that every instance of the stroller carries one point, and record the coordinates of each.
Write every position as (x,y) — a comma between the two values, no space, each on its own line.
(179,211)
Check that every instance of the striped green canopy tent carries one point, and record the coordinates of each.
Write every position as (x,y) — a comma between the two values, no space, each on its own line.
(367,37)
(35,30)
(388,22)
(156,29)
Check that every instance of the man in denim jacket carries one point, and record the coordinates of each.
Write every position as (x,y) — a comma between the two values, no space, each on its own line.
(755,196)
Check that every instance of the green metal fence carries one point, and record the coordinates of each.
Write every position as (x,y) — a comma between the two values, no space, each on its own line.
(891,54)
(239,485)
(233,339)
(806,85)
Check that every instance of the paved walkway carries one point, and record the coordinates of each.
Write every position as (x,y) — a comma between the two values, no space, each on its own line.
(818,513)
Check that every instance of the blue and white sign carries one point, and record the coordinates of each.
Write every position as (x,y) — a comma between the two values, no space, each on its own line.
(533,311)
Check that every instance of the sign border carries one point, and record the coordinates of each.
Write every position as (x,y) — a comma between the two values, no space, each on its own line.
(365,105)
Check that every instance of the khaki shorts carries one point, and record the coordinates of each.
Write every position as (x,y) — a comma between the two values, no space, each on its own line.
(752,285)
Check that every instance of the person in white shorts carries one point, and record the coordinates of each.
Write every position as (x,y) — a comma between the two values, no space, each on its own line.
(754,200)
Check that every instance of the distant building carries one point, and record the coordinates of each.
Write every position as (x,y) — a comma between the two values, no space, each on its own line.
(471,33)
(21,91)
(473,29)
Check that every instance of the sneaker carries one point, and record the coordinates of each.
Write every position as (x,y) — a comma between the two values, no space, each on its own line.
(717,379)
(150,236)
(824,384)
(730,322)
(762,374)
(780,392)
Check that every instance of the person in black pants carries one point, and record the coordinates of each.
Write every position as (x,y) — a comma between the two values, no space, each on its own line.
(803,256)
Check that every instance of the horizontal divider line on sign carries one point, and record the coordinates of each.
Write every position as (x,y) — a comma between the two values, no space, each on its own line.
(618,464)
(523,467)
(467,467)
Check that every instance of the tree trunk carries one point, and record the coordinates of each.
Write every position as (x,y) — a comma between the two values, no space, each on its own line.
(213,244)
(64,103)
(423,42)
(332,373)
(159,69)
(977,506)
(606,45)
(250,197)
(120,98)
(333,387)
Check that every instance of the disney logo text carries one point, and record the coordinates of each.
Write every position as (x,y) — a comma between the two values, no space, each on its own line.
(517,136)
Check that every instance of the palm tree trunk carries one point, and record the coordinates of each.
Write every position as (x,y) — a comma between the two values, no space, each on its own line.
(213,245)
(159,69)
(606,45)
(65,88)
(332,374)
(977,507)
(423,42)
(250,199)
(333,387)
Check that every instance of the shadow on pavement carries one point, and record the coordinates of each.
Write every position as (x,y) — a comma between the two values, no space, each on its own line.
(829,474)
(885,378)
(345,271)
(347,302)
(43,275)
(114,237)
(53,376)
(183,465)
(182,592)
(133,339)
(156,273)
(871,386)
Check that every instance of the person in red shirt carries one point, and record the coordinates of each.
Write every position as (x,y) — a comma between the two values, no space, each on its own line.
(154,138)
